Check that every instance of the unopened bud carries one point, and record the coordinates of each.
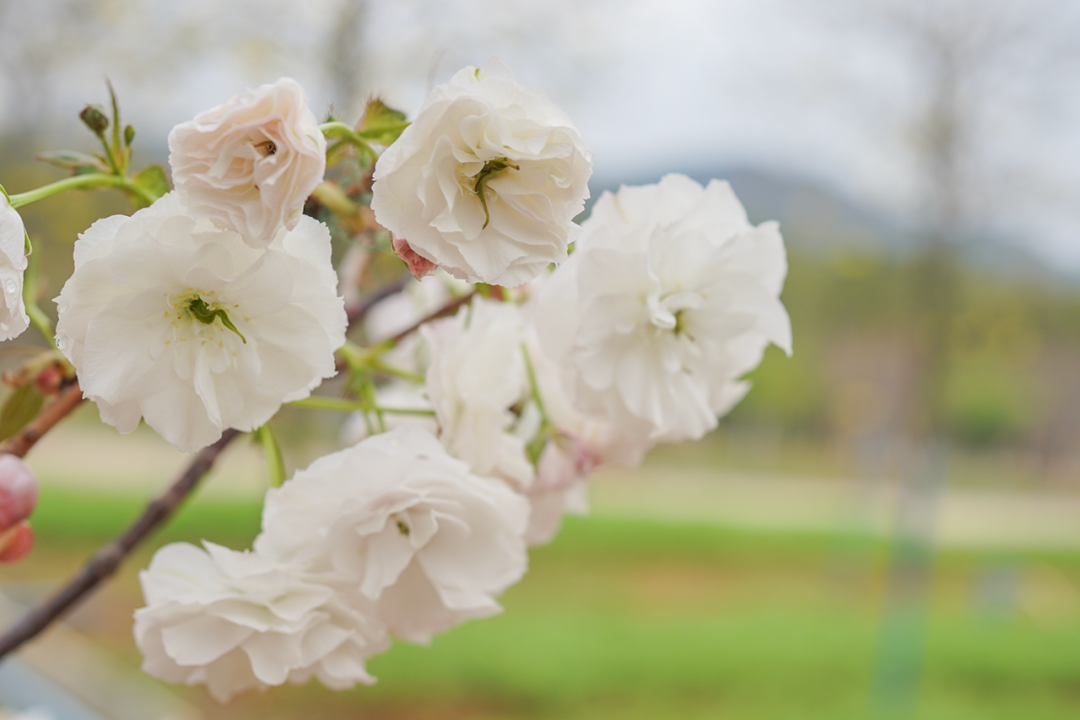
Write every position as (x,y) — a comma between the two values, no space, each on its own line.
(18,491)
(50,379)
(419,266)
(95,118)
(16,542)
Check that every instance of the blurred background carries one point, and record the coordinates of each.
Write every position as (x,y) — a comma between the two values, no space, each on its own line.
(888,526)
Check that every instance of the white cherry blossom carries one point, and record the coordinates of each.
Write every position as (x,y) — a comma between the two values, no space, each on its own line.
(486,181)
(251,162)
(172,320)
(235,620)
(430,542)
(476,374)
(670,298)
(13,318)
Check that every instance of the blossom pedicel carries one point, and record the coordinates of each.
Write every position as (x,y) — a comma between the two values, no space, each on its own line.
(487,180)
(250,163)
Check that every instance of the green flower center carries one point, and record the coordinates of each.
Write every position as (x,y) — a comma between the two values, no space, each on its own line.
(480,187)
(207,313)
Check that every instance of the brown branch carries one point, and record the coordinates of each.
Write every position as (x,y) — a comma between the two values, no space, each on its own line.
(54,412)
(447,309)
(359,311)
(106,560)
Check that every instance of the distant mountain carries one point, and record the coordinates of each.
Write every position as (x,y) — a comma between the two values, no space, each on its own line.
(816,217)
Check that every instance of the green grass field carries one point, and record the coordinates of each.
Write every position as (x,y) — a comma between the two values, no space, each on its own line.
(629,619)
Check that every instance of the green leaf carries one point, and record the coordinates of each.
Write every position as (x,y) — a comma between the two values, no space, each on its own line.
(153,179)
(20,407)
(381,123)
(81,163)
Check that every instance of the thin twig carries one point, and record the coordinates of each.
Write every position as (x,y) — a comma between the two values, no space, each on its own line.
(359,311)
(54,412)
(106,560)
(447,309)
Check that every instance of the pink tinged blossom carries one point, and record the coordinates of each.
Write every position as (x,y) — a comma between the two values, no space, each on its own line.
(251,162)
(418,265)
(18,491)
(16,542)
(18,497)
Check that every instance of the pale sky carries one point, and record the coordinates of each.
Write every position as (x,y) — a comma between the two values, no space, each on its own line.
(819,88)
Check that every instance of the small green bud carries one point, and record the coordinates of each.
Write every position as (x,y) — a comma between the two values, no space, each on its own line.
(129,135)
(94,117)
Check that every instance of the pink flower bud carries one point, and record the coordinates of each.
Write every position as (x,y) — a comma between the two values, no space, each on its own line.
(419,266)
(18,491)
(16,542)
(49,380)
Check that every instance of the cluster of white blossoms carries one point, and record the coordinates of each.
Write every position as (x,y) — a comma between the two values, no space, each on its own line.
(218,303)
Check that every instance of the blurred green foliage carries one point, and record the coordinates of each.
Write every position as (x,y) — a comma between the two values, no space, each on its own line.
(1013,359)
(636,619)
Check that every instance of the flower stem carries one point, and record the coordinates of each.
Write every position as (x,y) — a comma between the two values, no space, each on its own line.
(342,131)
(328,403)
(37,316)
(41,321)
(275,461)
(378,365)
(83,182)
(536,447)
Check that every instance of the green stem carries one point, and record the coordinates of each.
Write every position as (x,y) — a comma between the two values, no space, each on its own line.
(383,129)
(84,182)
(320,402)
(533,384)
(37,316)
(547,430)
(378,365)
(41,321)
(275,462)
(336,128)
(341,130)
(359,358)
